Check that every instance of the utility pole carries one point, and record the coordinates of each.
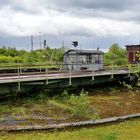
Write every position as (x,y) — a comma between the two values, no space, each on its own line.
(63,44)
(32,44)
(40,40)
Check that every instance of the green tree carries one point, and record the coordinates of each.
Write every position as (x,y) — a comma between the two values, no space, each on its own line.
(12,55)
(116,55)
(32,57)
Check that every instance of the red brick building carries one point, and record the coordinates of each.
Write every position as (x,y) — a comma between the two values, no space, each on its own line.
(132,51)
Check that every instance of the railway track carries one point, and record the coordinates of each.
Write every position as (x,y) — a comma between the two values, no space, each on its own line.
(69,125)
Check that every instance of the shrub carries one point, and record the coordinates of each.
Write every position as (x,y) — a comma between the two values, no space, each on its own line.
(76,104)
(79,103)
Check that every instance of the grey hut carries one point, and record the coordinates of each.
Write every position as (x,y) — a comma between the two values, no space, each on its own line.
(83,60)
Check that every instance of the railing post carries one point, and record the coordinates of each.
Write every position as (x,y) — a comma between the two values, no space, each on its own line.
(20,70)
(18,79)
(138,67)
(129,69)
(93,74)
(112,72)
(46,76)
(70,77)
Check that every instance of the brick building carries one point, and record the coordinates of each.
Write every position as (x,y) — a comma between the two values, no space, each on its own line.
(132,51)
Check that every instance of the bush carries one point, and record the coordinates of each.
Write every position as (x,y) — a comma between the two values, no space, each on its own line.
(79,103)
(76,104)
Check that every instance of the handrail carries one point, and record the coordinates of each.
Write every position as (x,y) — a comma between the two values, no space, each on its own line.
(130,67)
(19,70)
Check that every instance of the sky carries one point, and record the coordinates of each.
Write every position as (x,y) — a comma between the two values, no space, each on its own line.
(93,23)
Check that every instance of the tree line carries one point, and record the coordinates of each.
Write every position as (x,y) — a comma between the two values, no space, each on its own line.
(115,55)
(47,55)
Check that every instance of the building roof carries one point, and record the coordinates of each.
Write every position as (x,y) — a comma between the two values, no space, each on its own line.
(85,51)
(132,45)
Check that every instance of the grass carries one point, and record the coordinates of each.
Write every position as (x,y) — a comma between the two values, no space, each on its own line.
(103,98)
(72,106)
(129,130)
(67,106)
(75,104)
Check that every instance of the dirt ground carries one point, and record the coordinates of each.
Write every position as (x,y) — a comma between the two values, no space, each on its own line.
(116,104)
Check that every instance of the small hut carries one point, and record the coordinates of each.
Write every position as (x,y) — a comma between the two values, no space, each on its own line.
(83,60)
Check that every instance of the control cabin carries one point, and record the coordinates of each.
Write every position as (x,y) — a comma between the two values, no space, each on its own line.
(83,60)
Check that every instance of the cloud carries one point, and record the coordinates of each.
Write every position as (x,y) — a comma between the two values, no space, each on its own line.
(70,18)
(126,10)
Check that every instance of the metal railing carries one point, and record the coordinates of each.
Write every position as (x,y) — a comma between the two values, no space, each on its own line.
(20,69)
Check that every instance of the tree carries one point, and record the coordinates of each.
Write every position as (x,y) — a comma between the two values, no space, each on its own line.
(116,55)
(12,55)
(32,57)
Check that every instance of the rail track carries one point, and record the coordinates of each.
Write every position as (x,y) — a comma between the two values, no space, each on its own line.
(69,125)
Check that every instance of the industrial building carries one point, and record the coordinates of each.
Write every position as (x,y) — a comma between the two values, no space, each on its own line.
(132,53)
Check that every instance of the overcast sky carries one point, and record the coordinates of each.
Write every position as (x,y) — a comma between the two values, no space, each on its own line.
(94,23)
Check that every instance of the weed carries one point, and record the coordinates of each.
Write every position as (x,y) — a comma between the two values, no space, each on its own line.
(129,87)
(79,103)
(76,104)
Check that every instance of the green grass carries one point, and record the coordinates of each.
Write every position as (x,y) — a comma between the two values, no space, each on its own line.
(75,104)
(129,130)
(72,105)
